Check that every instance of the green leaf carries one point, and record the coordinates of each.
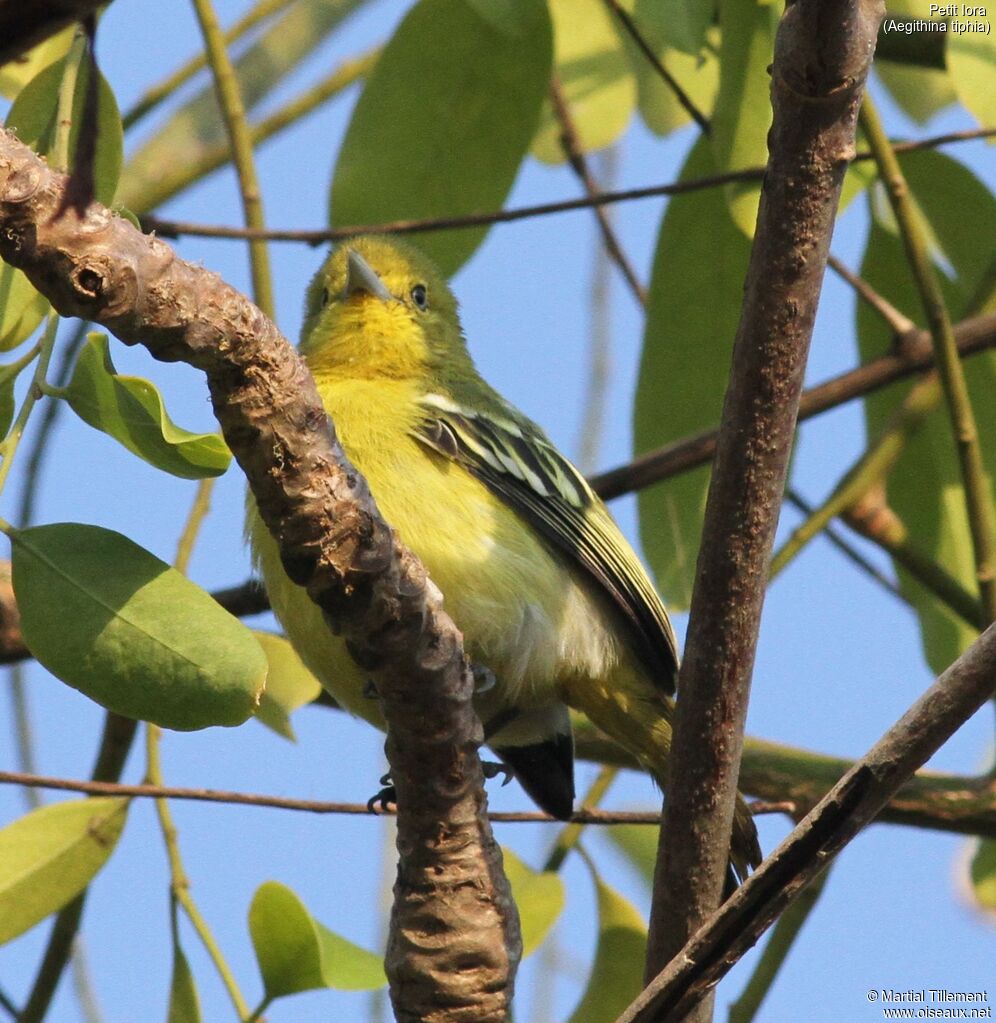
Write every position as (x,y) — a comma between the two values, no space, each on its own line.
(616,976)
(196,127)
(113,621)
(22,308)
(595,75)
(296,953)
(539,896)
(971,63)
(49,856)
(920,91)
(676,23)
(983,873)
(131,410)
(289,684)
(32,118)
(18,72)
(742,115)
(686,357)
(445,120)
(638,843)
(925,486)
(184,1004)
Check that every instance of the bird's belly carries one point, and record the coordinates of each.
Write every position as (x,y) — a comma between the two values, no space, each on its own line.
(523,614)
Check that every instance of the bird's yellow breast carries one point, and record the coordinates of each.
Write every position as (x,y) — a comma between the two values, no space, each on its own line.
(523,613)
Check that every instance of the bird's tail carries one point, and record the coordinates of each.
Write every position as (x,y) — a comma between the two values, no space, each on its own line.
(640,721)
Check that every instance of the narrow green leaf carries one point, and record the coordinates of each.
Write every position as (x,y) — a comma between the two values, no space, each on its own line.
(32,118)
(22,308)
(131,410)
(925,487)
(296,953)
(113,621)
(539,896)
(196,126)
(971,62)
(617,972)
(49,856)
(289,684)
(742,114)
(686,357)
(638,843)
(596,77)
(184,1003)
(982,874)
(444,120)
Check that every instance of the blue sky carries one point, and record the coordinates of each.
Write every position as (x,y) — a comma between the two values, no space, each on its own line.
(837,663)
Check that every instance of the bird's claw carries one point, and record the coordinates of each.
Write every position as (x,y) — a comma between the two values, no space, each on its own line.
(484,679)
(381,802)
(370,690)
(493,770)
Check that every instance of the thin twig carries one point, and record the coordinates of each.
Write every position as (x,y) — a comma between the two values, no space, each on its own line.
(150,791)
(571,144)
(175,228)
(978,494)
(846,548)
(627,22)
(973,335)
(233,116)
(897,322)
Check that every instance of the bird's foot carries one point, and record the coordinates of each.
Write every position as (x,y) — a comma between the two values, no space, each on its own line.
(370,690)
(484,679)
(385,799)
(495,770)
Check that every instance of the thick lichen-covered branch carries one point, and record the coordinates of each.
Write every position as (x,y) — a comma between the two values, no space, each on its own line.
(335,544)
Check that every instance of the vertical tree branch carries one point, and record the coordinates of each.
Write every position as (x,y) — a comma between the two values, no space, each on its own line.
(823,53)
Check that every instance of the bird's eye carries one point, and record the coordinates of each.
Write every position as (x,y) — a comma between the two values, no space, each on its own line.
(420,296)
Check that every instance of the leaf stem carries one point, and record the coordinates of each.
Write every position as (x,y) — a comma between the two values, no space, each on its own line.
(43,351)
(978,495)
(58,152)
(240,140)
(179,882)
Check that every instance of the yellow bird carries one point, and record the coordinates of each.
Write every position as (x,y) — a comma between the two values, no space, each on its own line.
(549,595)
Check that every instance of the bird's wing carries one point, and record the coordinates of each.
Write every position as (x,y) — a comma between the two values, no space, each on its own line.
(519,465)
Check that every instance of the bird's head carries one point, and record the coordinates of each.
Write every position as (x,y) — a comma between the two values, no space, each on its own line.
(379,308)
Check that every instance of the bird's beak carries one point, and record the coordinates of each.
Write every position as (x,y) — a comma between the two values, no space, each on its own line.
(362,278)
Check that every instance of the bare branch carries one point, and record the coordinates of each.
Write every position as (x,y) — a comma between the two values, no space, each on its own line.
(175,228)
(853,803)
(823,53)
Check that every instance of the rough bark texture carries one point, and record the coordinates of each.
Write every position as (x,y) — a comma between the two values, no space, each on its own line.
(823,53)
(454,941)
(852,803)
